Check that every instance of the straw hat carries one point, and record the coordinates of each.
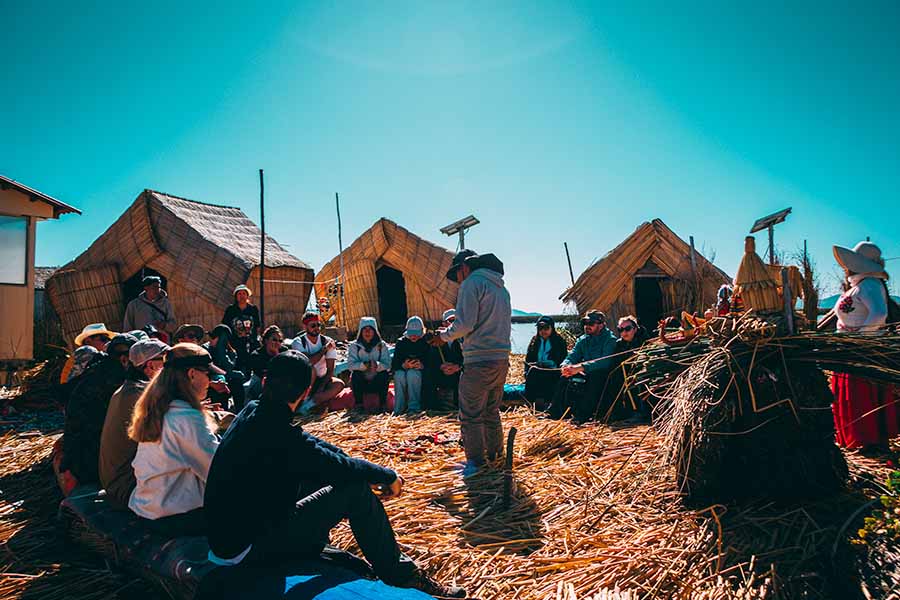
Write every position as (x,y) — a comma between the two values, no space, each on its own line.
(864,258)
(242,288)
(93,329)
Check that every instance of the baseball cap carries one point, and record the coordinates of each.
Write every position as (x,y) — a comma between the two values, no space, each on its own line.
(146,350)
(593,316)
(122,339)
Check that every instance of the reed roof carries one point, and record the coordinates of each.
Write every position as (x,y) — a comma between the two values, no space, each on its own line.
(424,266)
(653,249)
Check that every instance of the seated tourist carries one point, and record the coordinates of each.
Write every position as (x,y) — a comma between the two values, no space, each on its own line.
(616,404)
(299,488)
(86,409)
(546,350)
(117,450)
(443,370)
(95,337)
(189,334)
(584,370)
(176,442)
(231,384)
(369,362)
(408,364)
(322,353)
(272,345)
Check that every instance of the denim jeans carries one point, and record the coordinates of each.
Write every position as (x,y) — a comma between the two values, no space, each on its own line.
(407,390)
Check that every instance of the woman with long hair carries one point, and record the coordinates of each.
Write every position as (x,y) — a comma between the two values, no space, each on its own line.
(546,351)
(176,443)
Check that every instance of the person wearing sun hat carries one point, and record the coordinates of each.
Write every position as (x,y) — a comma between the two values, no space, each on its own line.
(245,323)
(86,409)
(865,414)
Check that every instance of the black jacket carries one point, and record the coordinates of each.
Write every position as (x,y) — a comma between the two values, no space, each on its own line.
(85,414)
(406,348)
(558,350)
(258,468)
(451,353)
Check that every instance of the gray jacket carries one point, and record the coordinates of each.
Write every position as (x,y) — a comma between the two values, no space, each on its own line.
(483,317)
(357,355)
(141,312)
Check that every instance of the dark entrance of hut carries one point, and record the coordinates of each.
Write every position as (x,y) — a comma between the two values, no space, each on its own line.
(391,296)
(650,282)
(132,287)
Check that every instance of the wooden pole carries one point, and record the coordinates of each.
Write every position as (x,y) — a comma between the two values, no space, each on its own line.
(697,299)
(337,203)
(262,250)
(771,244)
(569,260)
(788,301)
(508,469)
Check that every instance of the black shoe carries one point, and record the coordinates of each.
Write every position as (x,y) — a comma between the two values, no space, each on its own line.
(422,582)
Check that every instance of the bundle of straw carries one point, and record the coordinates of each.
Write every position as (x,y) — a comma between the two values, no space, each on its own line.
(754,283)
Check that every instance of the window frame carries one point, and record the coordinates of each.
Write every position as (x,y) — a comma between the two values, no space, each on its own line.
(27,221)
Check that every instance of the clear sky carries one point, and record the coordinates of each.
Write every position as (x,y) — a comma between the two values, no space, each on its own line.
(549,121)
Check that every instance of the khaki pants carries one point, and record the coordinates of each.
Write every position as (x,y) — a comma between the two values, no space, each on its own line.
(480,392)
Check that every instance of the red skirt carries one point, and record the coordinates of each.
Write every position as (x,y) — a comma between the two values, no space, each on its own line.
(865,413)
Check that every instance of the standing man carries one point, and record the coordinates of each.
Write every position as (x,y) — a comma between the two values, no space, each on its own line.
(484,318)
(243,319)
(151,307)
(322,353)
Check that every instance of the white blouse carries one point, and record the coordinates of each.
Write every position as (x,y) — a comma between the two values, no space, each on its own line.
(171,473)
(863,307)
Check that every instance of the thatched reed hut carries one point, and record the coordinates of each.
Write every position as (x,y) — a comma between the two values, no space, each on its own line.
(202,251)
(389,273)
(649,275)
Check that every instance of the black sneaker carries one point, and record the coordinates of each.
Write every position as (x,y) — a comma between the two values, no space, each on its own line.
(422,582)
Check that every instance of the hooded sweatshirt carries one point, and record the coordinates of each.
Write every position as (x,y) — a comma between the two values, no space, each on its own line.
(406,348)
(357,354)
(483,317)
(141,312)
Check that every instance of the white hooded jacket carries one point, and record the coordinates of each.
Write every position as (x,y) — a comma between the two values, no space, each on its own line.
(357,355)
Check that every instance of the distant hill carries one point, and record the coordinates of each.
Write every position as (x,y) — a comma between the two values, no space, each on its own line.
(521,313)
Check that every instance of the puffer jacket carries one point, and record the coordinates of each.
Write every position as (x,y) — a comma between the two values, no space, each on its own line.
(357,354)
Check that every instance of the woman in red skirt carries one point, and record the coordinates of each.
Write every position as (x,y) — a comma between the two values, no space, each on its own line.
(866,413)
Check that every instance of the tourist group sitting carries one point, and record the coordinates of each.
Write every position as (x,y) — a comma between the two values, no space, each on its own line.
(586,382)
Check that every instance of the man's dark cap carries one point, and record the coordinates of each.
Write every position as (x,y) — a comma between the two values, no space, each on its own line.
(150,280)
(220,330)
(115,345)
(290,367)
(458,261)
(593,316)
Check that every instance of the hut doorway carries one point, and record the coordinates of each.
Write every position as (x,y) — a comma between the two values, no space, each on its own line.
(132,288)
(649,300)
(391,296)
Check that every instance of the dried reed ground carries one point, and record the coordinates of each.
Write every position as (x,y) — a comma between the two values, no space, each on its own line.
(591,511)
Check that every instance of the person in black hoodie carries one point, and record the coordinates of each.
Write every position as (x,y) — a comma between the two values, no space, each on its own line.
(631,337)
(262,462)
(546,350)
(408,365)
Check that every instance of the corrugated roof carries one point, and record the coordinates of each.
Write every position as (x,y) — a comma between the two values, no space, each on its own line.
(59,208)
(41,275)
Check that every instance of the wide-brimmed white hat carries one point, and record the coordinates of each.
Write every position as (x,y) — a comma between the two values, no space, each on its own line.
(865,257)
(93,329)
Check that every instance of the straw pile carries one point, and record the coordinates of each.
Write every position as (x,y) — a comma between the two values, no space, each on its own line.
(34,561)
(594,514)
(754,282)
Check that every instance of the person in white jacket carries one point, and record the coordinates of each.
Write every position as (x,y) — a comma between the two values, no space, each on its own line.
(369,362)
(176,443)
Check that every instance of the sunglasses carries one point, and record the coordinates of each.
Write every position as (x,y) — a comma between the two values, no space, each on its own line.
(591,323)
(626,328)
(190,336)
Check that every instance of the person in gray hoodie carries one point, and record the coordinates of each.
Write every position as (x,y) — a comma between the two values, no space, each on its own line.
(369,362)
(484,318)
(151,307)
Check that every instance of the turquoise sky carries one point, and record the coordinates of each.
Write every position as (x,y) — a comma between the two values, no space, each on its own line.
(551,122)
